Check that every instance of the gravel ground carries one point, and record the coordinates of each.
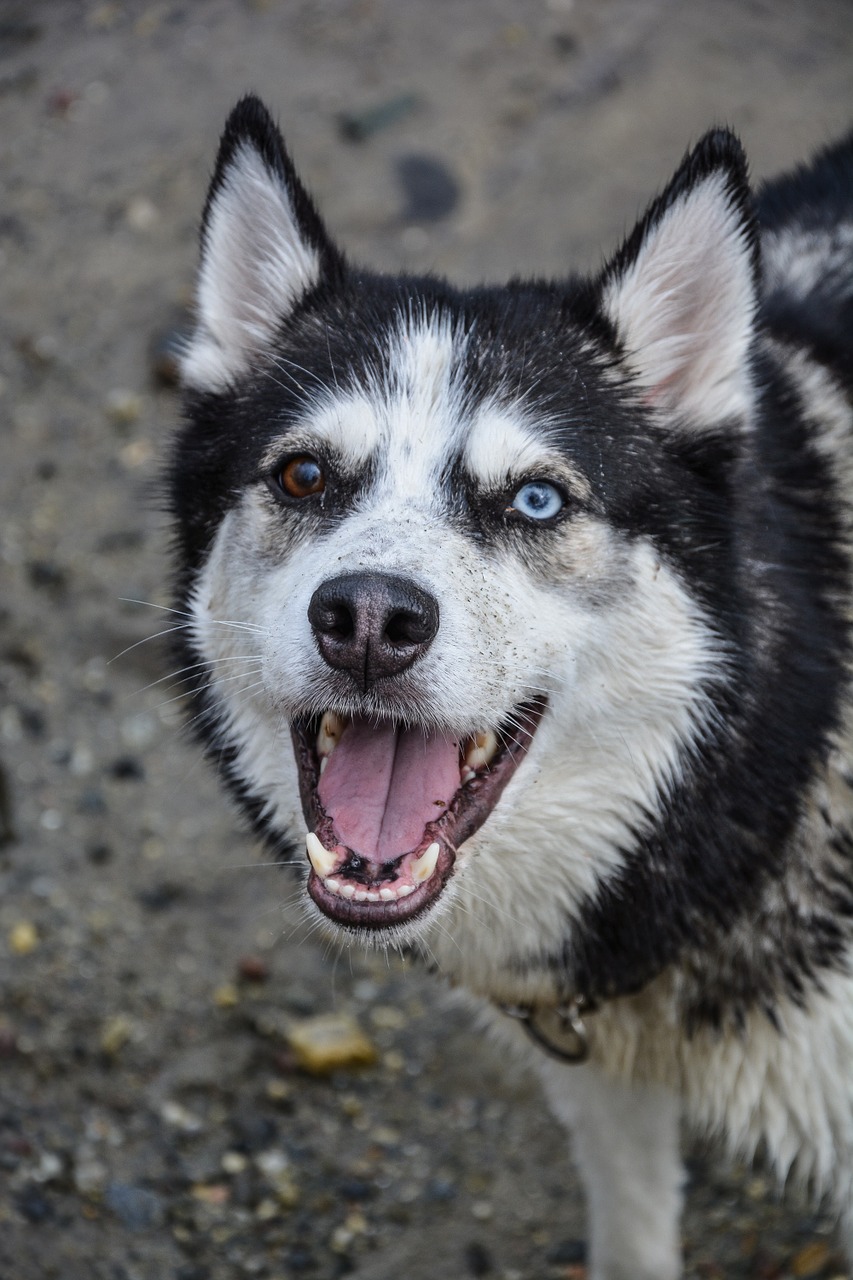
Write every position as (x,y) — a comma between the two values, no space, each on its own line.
(158,1115)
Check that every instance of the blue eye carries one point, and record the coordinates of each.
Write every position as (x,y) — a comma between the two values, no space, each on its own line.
(538,500)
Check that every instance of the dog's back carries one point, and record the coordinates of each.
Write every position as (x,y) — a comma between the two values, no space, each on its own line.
(806,220)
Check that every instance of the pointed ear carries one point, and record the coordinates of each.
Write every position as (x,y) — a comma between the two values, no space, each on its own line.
(263,247)
(682,292)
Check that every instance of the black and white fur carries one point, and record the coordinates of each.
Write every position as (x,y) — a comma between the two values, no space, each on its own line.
(675,849)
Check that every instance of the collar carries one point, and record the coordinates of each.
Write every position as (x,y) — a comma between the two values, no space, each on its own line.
(558,1029)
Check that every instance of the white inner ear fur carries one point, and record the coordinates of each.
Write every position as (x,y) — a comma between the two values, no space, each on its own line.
(255,266)
(685,308)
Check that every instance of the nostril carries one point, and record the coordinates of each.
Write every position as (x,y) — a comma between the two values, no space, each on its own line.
(331,617)
(405,627)
(338,622)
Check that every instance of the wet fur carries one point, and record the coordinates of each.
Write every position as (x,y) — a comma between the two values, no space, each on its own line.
(677,848)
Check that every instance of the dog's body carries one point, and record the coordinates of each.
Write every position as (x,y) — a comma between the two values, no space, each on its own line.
(533,605)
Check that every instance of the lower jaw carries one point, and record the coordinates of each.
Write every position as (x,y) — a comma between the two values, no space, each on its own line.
(376,916)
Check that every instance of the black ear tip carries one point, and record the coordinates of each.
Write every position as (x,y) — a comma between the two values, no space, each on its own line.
(250,124)
(249,117)
(719,148)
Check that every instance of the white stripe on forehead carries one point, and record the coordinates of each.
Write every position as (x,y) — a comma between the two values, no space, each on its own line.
(409,418)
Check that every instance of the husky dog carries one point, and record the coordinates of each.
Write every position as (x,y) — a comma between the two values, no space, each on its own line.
(531,605)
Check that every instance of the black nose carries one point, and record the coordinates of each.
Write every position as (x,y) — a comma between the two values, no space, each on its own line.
(372,625)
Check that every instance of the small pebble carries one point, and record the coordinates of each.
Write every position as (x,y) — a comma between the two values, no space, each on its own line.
(47,575)
(48,1169)
(123,407)
(272,1163)
(387,1017)
(279,1091)
(33,1206)
(181,1118)
(137,453)
(330,1042)
(253,969)
(23,938)
(215,1193)
(127,769)
(115,1034)
(8,1041)
(162,895)
(358,126)
(478,1261)
(141,214)
(139,732)
(134,1207)
(89,1176)
(811,1260)
(42,349)
(431,191)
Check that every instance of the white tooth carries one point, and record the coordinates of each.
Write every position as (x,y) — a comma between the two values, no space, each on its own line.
(467,773)
(334,885)
(347,890)
(482,750)
(360,895)
(331,727)
(372,897)
(405,890)
(321,859)
(323,762)
(387,895)
(424,866)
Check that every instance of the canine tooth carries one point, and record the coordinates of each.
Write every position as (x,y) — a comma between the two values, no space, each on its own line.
(387,895)
(424,866)
(482,750)
(331,727)
(321,859)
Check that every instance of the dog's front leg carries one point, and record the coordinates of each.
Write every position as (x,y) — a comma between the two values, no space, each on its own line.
(626,1144)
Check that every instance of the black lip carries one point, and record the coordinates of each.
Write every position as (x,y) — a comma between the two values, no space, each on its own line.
(383,915)
(469,809)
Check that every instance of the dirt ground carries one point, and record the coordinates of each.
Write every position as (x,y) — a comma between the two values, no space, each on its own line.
(153,1119)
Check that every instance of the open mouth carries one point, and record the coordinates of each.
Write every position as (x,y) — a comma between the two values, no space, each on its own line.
(388,806)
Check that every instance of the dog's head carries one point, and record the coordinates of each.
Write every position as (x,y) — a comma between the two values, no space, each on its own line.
(453,559)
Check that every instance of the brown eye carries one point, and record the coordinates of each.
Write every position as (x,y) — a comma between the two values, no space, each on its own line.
(302,477)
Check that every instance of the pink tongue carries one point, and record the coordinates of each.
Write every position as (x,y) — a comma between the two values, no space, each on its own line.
(382,786)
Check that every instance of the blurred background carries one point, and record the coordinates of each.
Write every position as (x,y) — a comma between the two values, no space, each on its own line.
(173,1100)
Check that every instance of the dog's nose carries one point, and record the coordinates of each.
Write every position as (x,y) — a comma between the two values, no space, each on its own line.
(372,625)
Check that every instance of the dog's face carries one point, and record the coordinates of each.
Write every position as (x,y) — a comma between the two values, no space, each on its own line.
(452,560)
